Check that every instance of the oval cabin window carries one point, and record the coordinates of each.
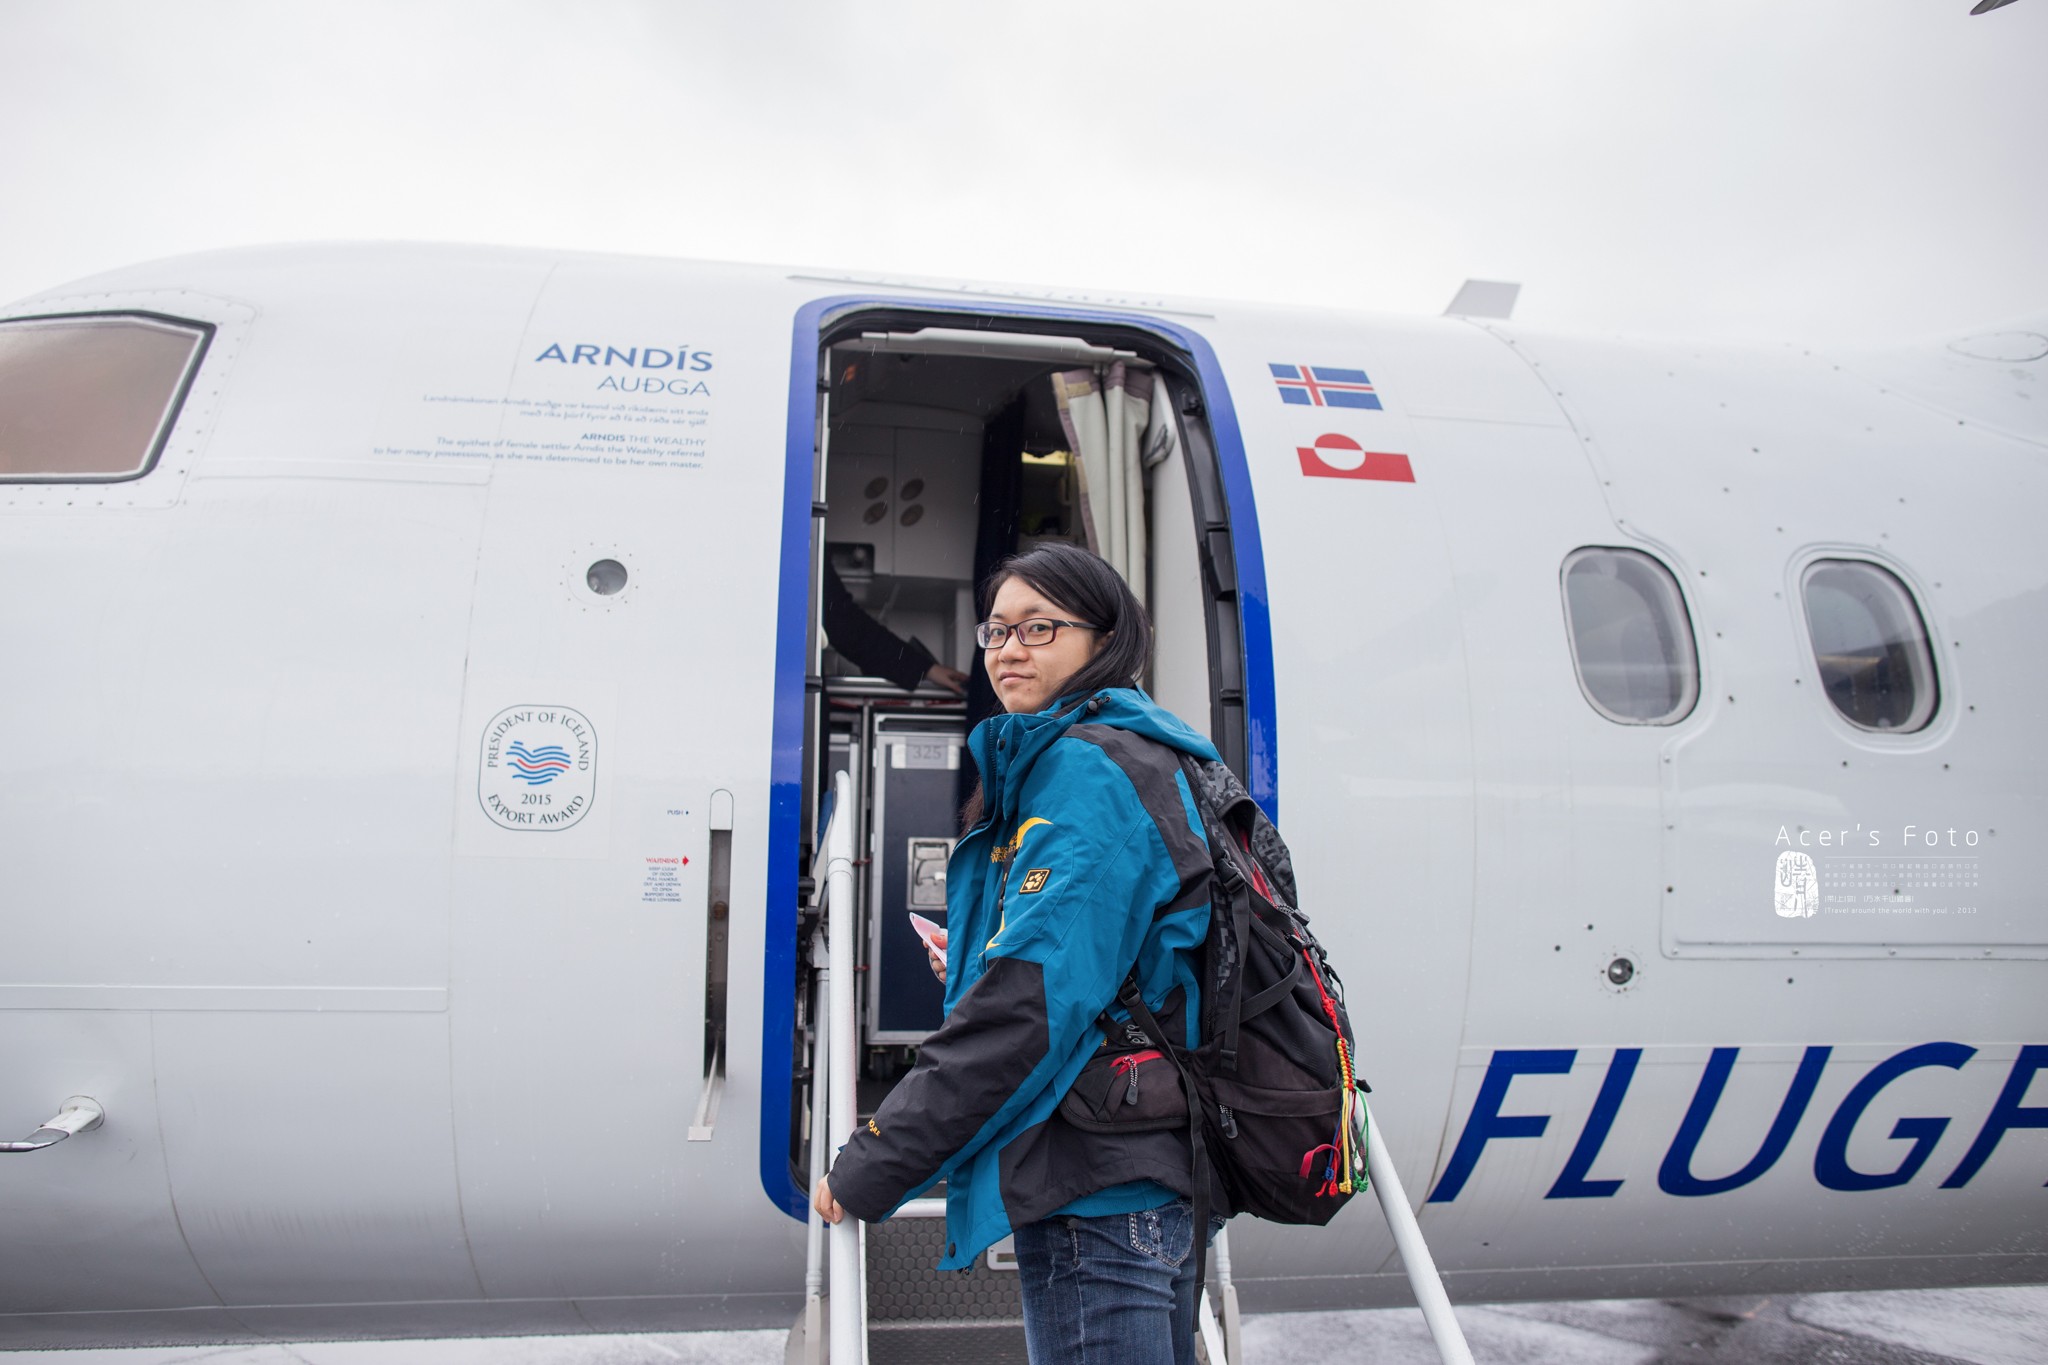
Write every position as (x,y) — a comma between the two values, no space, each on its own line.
(1630,635)
(91,398)
(1870,643)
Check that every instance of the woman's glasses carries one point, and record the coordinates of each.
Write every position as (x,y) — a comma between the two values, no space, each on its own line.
(1039,630)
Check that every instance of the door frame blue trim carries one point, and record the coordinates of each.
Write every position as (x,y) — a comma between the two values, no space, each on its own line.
(793,605)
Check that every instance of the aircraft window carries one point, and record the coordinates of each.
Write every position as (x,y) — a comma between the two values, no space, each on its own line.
(1870,643)
(91,398)
(1631,637)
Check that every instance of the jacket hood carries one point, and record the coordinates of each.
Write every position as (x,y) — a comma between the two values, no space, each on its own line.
(1128,708)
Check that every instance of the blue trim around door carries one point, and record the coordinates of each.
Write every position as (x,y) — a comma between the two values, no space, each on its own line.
(793,604)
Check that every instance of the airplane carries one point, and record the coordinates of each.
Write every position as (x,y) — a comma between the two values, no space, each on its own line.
(420,730)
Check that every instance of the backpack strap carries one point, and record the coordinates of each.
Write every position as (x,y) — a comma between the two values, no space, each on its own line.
(1276,992)
(1236,895)
(1226,1014)
(1132,999)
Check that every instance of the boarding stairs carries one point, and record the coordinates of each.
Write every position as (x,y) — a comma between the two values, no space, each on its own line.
(902,1311)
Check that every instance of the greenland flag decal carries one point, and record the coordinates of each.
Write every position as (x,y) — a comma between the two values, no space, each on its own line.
(1340,457)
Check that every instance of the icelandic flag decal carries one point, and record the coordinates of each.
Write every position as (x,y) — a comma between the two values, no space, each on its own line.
(1323,386)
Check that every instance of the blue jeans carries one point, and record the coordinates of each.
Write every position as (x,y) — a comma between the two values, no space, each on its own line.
(1118,1289)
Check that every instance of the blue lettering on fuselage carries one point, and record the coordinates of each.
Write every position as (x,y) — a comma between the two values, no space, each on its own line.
(1675,1175)
(1487,1123)
(1831,1160)
(1572,1182)
(654,383)
(2006,1114)
(678,358)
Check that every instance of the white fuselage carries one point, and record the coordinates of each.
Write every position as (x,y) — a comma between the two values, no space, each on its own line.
(370,1031)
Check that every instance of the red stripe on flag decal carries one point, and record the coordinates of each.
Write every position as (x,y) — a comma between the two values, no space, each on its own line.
(1339,457)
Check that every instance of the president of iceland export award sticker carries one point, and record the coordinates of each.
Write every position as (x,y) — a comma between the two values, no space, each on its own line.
(538,770)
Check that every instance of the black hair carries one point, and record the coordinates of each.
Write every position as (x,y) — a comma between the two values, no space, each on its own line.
(1082,582)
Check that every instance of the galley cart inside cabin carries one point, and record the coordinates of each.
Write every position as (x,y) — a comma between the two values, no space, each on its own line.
(909,767)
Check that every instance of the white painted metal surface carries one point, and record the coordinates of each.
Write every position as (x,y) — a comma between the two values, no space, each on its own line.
(259,908)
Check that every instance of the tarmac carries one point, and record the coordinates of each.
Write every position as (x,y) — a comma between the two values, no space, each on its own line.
(2004,1326)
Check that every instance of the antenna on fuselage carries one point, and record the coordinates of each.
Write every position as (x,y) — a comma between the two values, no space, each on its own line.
(1484,299)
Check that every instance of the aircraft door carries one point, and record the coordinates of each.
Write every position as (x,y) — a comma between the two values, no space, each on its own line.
(939,442)
(239,943)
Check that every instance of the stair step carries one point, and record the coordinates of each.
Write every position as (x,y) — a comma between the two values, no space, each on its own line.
(905,1343)
(905,1288)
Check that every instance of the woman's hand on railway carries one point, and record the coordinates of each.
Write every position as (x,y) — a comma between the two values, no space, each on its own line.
(827,1207)
(935,957)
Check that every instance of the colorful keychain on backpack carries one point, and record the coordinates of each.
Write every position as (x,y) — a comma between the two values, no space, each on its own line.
(1344,1147)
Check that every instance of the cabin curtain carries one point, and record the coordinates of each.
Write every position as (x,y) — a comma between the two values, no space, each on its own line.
(1106,414)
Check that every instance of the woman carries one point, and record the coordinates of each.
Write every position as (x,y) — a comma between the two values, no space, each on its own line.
(1045,1112)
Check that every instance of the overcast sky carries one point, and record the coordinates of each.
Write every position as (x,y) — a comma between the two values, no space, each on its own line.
(1796,169)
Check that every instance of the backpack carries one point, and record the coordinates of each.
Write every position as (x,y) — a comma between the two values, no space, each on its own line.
(1275,1105)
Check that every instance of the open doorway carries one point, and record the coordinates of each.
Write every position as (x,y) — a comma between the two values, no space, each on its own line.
(945,441)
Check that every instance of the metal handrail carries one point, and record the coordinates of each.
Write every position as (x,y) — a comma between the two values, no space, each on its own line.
(814,1233)
(1415,1258)
(79,1114)
(834,1061)
(848,1298)
(1224,1291)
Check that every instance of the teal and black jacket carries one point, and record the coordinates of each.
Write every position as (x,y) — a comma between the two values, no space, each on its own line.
(1090,860)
